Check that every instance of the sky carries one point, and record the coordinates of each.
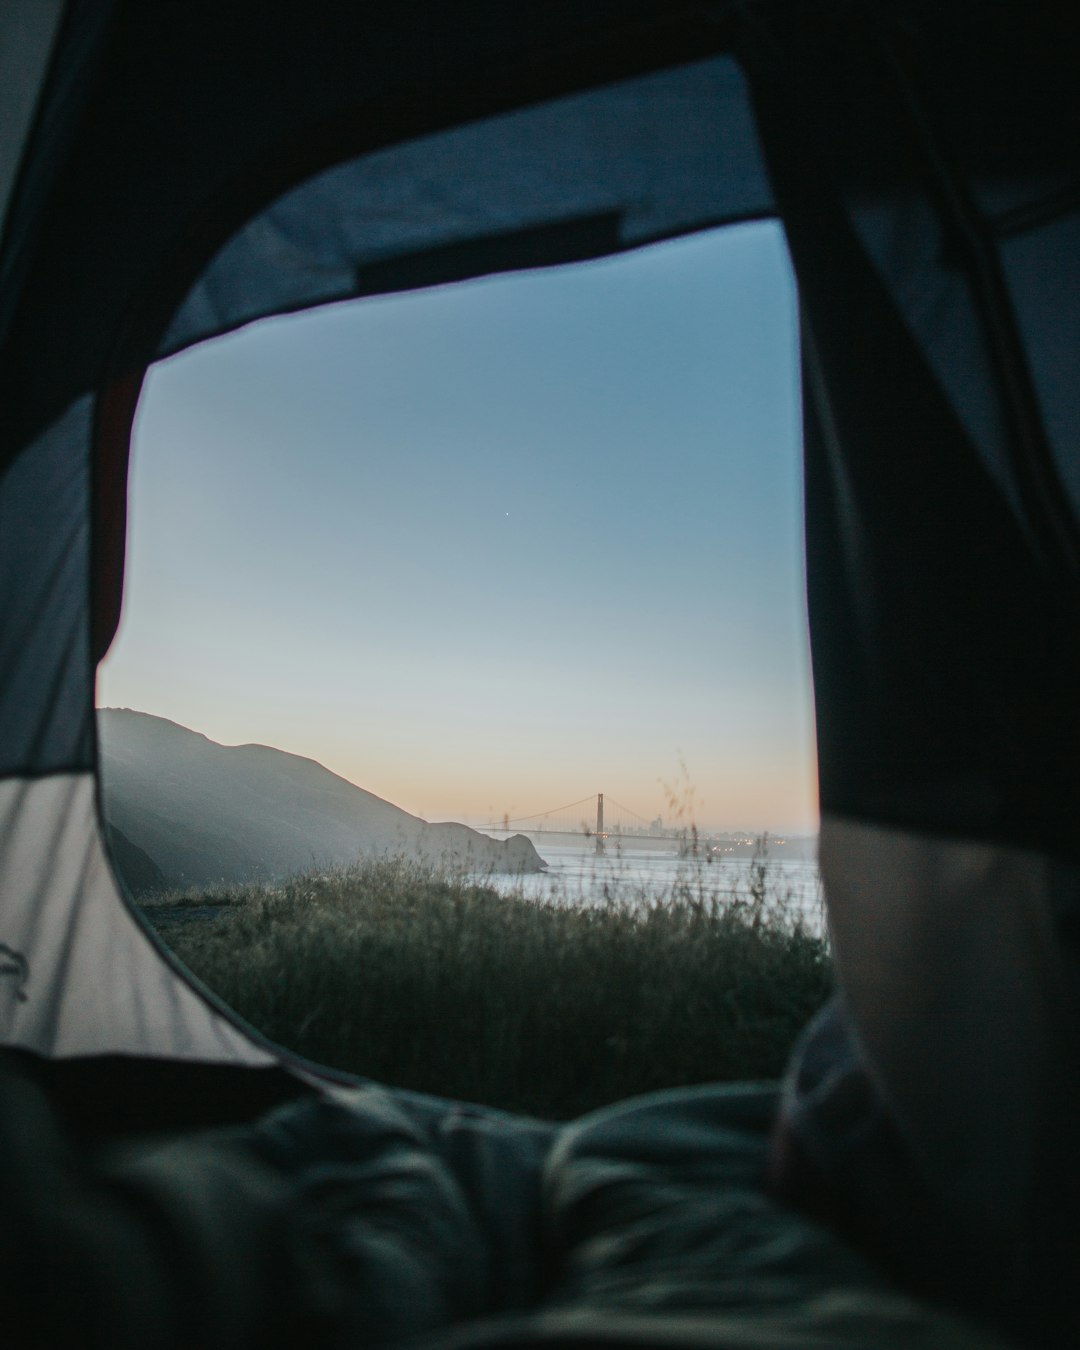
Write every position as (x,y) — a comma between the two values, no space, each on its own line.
(489,548)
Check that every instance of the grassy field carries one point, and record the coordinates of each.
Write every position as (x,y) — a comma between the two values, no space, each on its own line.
(398,973)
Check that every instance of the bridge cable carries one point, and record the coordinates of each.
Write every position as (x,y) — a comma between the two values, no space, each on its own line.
(518,820)
(619,806)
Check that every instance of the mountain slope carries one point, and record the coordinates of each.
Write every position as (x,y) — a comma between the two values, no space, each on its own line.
(205,813)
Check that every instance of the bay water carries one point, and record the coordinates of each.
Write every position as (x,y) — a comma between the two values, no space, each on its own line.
(577,875)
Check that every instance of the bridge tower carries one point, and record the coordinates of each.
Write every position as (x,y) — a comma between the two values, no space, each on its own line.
(600,823)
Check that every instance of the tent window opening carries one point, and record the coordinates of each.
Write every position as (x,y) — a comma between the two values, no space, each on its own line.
(451,611)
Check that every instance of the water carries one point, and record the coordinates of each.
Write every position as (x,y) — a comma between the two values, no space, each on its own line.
(576,875)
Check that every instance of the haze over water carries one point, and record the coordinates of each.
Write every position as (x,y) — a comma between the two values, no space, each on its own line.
(493,547)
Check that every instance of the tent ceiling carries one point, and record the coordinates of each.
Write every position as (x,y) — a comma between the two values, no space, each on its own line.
(199,115)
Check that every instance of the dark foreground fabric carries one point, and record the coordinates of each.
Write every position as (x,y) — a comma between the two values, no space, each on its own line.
(377,1218)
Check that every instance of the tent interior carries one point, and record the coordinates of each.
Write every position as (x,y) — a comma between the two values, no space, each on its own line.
(171,173)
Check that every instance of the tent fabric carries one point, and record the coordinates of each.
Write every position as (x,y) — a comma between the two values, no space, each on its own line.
(626,164)
(942,587)
(942,137)
(377,1220)
(28,30)
(940,575)
(1040,269)
(46,714)
(34,153)
(79,974)
(198,116)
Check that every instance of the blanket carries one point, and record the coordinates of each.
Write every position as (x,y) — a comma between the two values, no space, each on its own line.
(368,1217)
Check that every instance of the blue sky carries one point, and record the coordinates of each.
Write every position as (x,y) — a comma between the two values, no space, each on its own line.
(492,547)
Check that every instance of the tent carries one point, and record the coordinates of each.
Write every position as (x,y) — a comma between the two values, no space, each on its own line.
(171,172)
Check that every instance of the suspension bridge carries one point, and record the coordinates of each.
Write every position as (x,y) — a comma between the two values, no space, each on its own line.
(619,823)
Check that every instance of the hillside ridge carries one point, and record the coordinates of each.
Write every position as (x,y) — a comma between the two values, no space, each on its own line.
(205,813)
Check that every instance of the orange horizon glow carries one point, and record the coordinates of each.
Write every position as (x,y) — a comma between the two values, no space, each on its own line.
(780,797)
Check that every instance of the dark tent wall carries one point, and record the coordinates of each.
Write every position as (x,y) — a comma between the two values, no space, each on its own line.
(192,167)
(924,160)
(919,169)
(24,64)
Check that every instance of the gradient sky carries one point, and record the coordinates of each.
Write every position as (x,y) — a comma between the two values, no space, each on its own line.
(492,547)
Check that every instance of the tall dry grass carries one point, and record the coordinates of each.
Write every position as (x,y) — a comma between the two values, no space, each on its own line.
(397,972)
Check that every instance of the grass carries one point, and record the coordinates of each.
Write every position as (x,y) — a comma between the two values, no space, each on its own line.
(397,972)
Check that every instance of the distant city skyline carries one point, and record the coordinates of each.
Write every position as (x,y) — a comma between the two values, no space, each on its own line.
(490,547)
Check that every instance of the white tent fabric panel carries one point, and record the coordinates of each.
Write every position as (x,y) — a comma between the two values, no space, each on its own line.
(966,1010)
(78,975)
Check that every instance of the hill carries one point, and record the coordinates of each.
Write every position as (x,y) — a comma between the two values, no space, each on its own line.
(191,812)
